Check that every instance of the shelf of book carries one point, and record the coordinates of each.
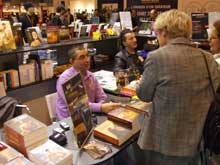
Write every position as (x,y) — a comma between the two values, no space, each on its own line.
(11,59)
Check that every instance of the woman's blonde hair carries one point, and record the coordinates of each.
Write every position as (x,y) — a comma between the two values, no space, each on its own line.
(175,23)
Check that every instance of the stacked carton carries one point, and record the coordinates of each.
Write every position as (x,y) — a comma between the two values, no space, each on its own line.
(25,133)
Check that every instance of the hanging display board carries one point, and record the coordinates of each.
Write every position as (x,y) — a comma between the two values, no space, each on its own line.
(1,9)
(143,7)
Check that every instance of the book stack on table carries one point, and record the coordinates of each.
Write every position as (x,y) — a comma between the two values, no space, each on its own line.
(121,125)
(24,133)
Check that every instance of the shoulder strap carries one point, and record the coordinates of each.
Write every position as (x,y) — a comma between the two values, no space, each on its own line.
(209,75)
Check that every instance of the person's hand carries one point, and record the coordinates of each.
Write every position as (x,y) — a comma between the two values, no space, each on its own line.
(106,107)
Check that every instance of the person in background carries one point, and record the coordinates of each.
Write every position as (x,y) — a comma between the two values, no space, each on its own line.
(153,15)
(175,80)
(64,18)
(134,20)
(127,59)
(80,61)
(69,16)
(28,19)
(214,40)
(56,20)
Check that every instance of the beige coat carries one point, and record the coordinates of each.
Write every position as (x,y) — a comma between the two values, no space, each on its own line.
(175,79)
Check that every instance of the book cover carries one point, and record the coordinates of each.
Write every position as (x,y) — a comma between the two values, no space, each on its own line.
(7,41)
(18,36)
(33,37)
(94,28)
(78,106)
(24,131)
(27,73)
(52,34)
(123,116)
(50,153)
(83,31)
(10,78)
(139,106)
(64,34)
(47,69)
(114,133)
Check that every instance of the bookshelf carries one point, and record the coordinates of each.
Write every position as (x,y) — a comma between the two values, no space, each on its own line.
(11,59)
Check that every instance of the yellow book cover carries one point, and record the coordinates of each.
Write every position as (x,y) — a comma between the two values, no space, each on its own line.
(7,41)
(114,133)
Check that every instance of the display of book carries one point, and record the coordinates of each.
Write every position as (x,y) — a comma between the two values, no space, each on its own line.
(64,34)
(10,78)
(83,31)
(52,34)
(78,106)
(7,41)
(24,133)
(50,153)
(106,79)
(27,73)
(124,116)
(33,37)
(114,133)
(47,69)
(18,36)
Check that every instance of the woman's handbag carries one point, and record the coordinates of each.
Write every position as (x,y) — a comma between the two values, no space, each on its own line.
(211,131)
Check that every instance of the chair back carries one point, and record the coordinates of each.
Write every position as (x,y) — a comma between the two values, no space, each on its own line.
(51,105)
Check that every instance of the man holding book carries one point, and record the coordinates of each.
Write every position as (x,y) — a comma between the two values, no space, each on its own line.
(80,62)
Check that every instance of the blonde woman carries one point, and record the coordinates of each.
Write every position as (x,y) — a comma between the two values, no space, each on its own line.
(175,80)
(214,40)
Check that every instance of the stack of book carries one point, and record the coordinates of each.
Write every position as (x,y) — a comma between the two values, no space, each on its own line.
(139,106)
(25,133)
(121,125)
(50,153)
(10,78)
(106,79)
(47,69)
(9,156)
(27,73)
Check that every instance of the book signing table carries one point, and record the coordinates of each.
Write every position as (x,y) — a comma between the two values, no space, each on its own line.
(87,138)
(80,157)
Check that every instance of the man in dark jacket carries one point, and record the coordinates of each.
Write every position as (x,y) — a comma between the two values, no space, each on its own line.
(56,20)
(127,59)
(28,19)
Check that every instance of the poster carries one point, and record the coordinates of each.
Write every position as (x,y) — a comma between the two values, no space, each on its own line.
(199,26)
(143,7)
(125,19)
(78,106)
